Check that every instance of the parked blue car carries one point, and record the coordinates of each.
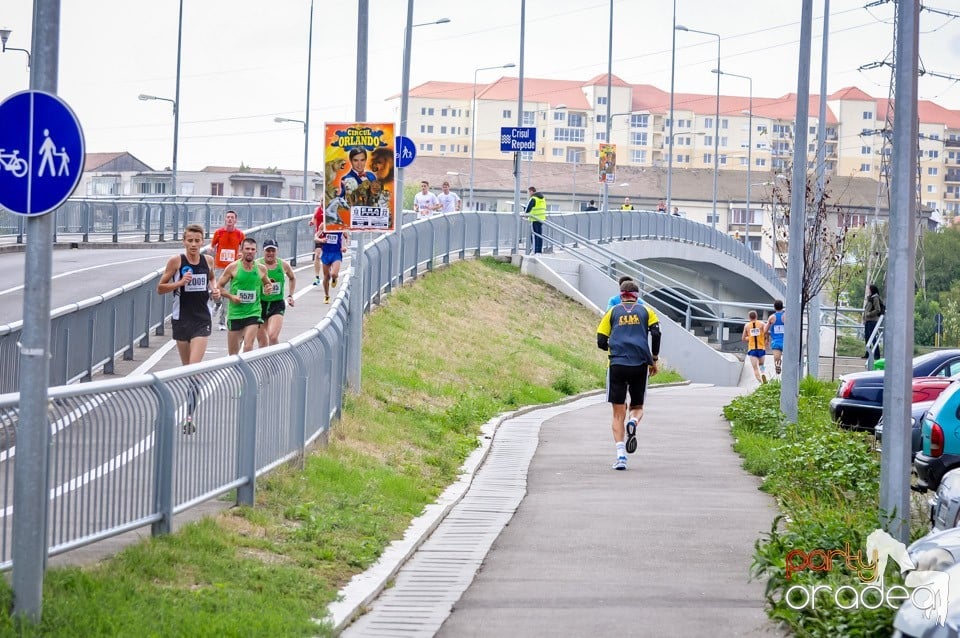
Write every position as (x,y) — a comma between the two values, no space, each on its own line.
(940,436)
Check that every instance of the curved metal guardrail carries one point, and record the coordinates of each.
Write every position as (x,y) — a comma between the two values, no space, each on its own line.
(118,459)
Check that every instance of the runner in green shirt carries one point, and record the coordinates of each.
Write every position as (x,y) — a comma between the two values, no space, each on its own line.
(272,304)
(241,282)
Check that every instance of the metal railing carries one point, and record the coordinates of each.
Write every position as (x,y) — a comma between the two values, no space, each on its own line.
(88,336)
(118,458)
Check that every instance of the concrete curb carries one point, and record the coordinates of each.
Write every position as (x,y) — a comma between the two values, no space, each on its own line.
(365,587)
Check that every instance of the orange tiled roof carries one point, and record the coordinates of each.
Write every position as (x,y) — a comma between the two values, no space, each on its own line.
(93,161)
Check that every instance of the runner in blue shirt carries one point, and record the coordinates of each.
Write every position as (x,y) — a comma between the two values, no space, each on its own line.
(775,327)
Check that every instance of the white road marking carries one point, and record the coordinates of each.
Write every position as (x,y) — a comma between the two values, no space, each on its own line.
(80,270)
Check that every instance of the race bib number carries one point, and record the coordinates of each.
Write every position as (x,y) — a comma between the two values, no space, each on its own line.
(778,330)
(247,296)
(198,283)
(755,332)
(272,289)
(332,239)
(227,254)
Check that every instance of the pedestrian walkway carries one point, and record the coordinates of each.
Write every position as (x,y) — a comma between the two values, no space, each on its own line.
(663,549)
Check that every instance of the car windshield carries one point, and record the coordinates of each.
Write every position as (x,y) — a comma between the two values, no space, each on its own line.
(941,400)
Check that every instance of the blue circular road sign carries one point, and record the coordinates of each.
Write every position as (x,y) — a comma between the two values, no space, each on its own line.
(41,152)
(406,151)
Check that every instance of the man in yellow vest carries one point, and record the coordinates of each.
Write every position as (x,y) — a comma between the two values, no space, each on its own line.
(537,214)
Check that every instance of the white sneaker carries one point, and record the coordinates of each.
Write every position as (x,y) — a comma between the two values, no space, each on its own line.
(621,463)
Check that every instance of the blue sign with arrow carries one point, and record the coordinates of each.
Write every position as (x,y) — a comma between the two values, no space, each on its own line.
(406,151)
(41,152)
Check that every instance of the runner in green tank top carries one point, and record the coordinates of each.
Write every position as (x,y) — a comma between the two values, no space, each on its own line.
(272,305)
(241,282)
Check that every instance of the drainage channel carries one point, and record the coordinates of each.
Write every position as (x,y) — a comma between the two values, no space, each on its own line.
(428,585)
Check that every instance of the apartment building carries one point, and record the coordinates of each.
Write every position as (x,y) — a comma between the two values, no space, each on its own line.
(571,120)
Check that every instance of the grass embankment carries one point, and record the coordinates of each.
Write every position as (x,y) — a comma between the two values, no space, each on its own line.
(440,358)
(826,481)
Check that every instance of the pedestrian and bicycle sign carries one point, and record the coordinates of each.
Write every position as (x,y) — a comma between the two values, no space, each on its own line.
(518,138)
(41,152)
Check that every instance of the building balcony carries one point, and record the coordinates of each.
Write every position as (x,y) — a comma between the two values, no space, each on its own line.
(951,143)
(952,177)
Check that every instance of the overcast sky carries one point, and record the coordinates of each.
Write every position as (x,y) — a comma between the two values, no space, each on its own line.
(244,61)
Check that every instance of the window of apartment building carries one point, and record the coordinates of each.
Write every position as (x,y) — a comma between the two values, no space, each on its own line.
(558,152)
(813,130)
(933,153)
(423,110)
(853,220)
(559,116)
(601,119)
(526,156)
(724,141)
(601,99)
(743,161)
(430,111)
(868,115)
(779,164)
(577,120)
(638,156)
(760,161)
(529,118)
(708,140)
(263,190)
(423,128)
(639,120)
(443,148)
(684,123)
(601,136)
(248,190)
(708,122)
(568,135)
(866,131)
(430,128)
(740,216)
(638,139)
(507,114)
(932,170)
(443,130)
(443,112)
(143,188)
(931,188)
(933,136)
(680,140)
(811,147)
(724,123)
(216,189)
(682,159)
(723,159)
(865,168)
(466,148)
(708,158)
(295,192)
(781,130)
(160,188)
(866,150)
(575,155)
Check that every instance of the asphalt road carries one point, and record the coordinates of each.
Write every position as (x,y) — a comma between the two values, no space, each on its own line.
(77,275)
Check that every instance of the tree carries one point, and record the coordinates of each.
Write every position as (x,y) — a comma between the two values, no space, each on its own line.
(942,255)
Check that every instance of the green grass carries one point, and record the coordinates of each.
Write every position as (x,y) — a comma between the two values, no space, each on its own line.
(826,482)
(433,373)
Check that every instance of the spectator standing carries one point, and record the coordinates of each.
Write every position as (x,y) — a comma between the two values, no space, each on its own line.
(661,206)
(537,214)
(676,212)
(449,201)
(630,333)
(275,298)
(626,204)
(425,202)
(226,250)
(873,307)
(592,206)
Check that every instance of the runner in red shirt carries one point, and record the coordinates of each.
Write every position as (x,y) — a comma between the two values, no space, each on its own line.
(317,223)
(225,246)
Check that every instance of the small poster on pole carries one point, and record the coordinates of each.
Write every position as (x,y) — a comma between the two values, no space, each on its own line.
(358,165)
(608,163)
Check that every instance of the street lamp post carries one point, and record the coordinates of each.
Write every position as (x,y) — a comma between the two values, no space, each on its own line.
(473,123)
(173,171)
(749,146)
(4,36)
(305,150)
(573,195)
(716,136)
(405,96)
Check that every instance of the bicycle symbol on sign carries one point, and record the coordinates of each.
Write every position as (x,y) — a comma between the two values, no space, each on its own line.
(13,162)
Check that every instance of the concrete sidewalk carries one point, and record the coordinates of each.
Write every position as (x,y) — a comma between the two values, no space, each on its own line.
(663,549)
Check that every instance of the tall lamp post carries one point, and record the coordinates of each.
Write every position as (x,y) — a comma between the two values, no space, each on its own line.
(173,171)
(306,132)
(573,195)
(473,123)
(716,135)
(4,36)
(749,146)
(405,95)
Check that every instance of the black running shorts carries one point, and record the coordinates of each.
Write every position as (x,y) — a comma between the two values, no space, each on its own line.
(240,324)
(185,329)
(623,378)
(270,308)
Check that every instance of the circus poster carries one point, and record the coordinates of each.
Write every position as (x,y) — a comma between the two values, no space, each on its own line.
(358,166)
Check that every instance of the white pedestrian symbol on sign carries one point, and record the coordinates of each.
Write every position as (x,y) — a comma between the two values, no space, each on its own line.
(47,151)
